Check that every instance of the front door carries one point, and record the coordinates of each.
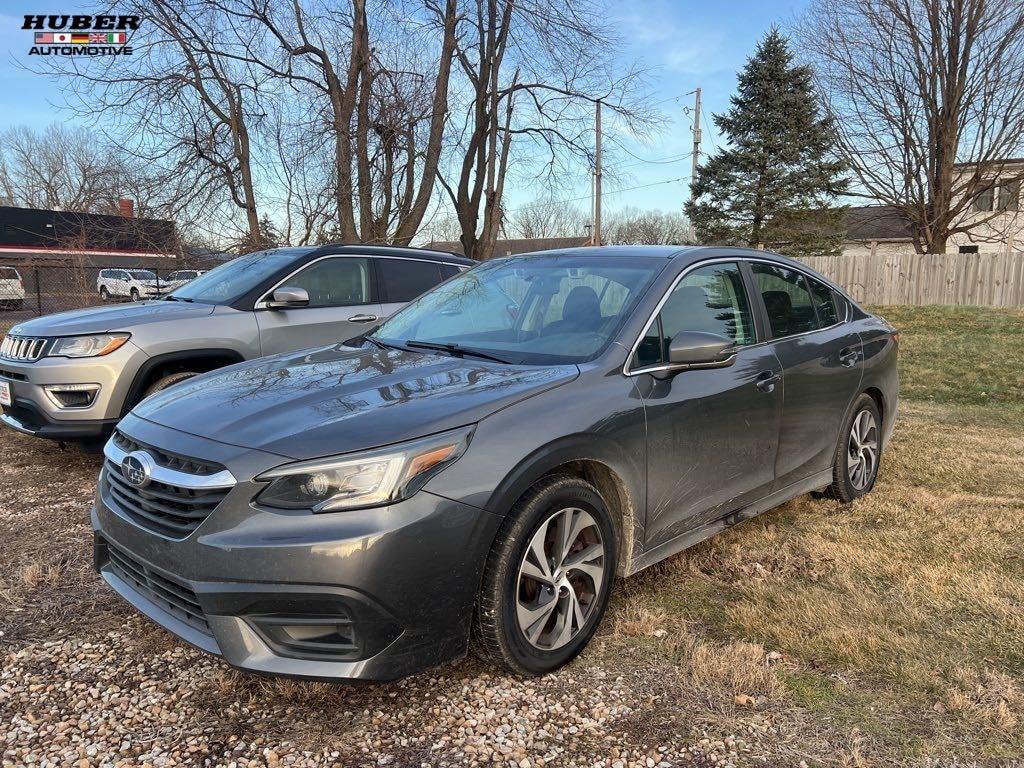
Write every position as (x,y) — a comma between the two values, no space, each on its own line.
(711,433)
(342,305)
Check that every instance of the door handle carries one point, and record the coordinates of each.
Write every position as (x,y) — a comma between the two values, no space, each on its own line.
(767,380)
(363,319)
(848,357)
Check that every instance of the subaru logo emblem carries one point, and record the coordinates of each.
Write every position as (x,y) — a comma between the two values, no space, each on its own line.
(137,468)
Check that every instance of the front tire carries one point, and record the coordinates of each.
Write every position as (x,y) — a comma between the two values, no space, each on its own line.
(104,294)
(548,577)
(135,295)
(859,452)
(167,381)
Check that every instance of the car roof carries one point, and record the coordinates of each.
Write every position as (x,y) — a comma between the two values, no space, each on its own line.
(398,251)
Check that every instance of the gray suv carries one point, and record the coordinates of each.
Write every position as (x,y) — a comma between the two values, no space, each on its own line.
(73,375)
(480,466)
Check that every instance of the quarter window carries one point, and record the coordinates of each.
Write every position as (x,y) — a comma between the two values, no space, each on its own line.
(709,299)
(404,279)
(338,282)
(786,299)
(824,303)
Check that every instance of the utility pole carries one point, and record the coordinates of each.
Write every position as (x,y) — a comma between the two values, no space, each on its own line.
(597,179)
(695,158)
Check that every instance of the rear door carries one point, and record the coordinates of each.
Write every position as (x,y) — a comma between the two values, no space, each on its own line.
(342,304)
(822,365)
(402,280)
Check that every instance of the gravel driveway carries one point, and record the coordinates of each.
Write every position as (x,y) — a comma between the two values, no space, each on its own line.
(86,681)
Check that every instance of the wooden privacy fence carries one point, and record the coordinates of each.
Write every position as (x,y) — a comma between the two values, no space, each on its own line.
(983,279)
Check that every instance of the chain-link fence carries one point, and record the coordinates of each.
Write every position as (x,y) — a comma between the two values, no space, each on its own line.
(32,291)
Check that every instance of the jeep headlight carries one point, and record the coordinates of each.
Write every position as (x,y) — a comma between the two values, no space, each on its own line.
(87,346)
(365,479)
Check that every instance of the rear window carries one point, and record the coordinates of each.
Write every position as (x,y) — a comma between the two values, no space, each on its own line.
(824,303)
(404,279)
(786,298)
(9,273)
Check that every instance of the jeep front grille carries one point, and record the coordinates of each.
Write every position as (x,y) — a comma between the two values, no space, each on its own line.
(23,348)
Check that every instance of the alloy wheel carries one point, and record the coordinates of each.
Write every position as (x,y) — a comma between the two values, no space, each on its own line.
(862,453)
(560,579)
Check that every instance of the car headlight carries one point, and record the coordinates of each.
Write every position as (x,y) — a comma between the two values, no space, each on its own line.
(366,479)
(88,346)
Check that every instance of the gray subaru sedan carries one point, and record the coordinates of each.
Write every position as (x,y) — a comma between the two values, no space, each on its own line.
(475,471)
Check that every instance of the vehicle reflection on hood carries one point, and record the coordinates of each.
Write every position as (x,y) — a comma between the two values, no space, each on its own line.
(287,404)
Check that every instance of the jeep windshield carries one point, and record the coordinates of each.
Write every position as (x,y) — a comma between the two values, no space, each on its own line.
(230,281)
(526,309)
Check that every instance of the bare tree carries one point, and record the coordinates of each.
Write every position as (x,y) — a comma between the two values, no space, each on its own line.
(382,115)
(533,71)
(632,226)
(544,218)
(928,100)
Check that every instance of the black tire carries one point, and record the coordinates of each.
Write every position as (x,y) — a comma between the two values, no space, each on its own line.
(104,293)
(843,487)
(167,381)
(135,295)
(496,635)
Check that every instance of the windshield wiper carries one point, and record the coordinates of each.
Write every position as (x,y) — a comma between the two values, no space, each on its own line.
(170,297)
(454,349)
(381,344)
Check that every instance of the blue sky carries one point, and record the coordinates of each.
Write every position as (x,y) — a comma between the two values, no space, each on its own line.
(686,43)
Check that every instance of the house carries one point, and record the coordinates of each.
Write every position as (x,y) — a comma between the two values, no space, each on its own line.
(517,246)
(38,237)
(874,229)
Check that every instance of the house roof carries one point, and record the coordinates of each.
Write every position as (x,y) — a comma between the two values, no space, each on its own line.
(517,246)
(62,233)
(878,222)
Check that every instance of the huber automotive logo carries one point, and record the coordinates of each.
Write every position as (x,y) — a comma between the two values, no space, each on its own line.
(73,35)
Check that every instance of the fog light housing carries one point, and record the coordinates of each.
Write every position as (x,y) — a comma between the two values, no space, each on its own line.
(69,396)
(308,636)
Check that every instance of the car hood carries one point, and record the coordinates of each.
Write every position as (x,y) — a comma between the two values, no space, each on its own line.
(336,399)
(114,318)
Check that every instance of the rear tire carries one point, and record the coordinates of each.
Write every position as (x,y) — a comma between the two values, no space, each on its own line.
(858,454)
(538,607)
(167,381)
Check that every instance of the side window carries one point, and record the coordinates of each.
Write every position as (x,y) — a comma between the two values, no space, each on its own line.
(709,299)
(404,279)
(824,303)
(336,282)
(786,298)
(448,270)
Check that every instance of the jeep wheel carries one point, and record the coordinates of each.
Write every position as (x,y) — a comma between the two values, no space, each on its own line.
(167,381)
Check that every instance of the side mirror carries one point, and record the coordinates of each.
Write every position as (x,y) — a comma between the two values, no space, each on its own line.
(700,349)
(288,297)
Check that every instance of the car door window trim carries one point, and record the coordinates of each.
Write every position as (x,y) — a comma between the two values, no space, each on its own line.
(627,371)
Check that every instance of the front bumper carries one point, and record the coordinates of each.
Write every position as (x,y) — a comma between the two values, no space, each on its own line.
(397,582)
(33,413)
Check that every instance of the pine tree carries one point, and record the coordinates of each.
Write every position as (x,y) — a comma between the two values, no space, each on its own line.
(776,181)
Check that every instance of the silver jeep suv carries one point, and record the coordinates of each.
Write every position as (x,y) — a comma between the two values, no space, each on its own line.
(73,375)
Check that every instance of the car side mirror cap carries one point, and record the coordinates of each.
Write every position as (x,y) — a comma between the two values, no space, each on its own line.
(287,297)
(700,349)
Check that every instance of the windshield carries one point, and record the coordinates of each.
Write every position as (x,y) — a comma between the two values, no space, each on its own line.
(529,309)
(142,274)
(237,277)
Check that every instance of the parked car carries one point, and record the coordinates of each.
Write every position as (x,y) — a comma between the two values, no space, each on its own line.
(177,279)
(12,289)
(71,376)
(476,470)
(133,284)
